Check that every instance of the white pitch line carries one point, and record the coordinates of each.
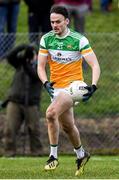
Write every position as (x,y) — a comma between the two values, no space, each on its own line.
(104,159)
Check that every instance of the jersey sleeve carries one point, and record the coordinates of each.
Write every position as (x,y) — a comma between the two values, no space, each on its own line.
(43,51)
(85,47)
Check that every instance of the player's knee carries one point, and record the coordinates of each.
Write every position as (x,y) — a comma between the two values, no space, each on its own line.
(51,114)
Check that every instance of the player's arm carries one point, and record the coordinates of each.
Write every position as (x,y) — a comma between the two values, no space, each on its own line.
(41,69)
(42,60)
(91,59)
(93,63)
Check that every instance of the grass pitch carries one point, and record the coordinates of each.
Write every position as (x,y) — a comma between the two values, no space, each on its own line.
(98,167)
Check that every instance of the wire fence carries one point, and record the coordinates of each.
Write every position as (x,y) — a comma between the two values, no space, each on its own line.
(98,120)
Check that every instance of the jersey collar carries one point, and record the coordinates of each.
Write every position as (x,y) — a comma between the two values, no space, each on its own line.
(62,37)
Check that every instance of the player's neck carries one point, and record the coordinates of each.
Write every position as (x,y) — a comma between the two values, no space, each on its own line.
(64,33)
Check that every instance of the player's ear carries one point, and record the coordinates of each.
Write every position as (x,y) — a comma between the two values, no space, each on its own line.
(67,21)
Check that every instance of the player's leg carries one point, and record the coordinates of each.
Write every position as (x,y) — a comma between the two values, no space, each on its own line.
(68,124)
(62,103)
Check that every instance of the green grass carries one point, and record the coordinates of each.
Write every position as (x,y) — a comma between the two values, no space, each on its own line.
(98,167)
(22,19)
(5,79)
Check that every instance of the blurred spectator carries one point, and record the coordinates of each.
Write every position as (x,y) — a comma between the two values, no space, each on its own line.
(90,4)
(9,10)
(106,5)
(110,5)
(38,17)
(23,99)
(78,10)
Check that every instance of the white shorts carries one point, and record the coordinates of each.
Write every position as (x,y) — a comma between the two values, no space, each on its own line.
(58,90)
(65,90)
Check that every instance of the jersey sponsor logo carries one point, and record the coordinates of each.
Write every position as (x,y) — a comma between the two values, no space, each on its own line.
(59,54)
(62,59)
(64,56)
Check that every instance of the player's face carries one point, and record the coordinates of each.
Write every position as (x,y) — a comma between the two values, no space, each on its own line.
(59,23)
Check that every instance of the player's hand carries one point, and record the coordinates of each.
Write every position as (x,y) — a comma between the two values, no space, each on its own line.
(49,87)
(91,89)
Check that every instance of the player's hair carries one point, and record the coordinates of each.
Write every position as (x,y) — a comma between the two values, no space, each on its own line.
(59,9)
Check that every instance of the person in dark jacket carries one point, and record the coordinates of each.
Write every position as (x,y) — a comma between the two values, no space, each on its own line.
(38,18)
(23,99)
